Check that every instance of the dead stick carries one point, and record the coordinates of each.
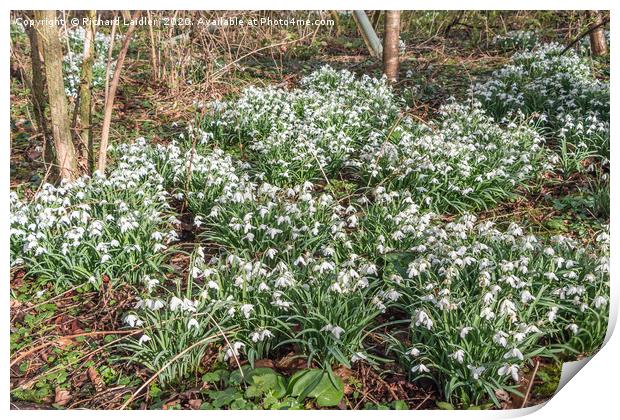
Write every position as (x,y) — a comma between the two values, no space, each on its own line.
(529,385)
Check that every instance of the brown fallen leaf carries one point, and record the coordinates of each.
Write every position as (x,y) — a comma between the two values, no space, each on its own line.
(94,377)
(265,363)
(194,404)
(62,396)
(169,404)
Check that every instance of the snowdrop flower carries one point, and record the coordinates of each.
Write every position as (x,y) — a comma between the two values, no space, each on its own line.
(515,352)
(526,296)
(143,339)
(476,372)
(465,331)
(420,368)
(487,314)
(261,335)
(175,303)
(509,370)
(458,355)
(599,302)
(335,330)
(247,309)
(552,314)
(233,350)
(422,318)
(414,352)
(574,328)
(358,356)
(193,323)
(500,338)
(132,321)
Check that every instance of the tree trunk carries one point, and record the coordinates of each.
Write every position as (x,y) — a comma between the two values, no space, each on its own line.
(368,33)
(390,44)
(85,98)
(109,104)
(39,100)
(61,132)
(598,44)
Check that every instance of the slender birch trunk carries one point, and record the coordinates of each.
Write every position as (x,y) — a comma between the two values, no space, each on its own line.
(390,44)
(109,104)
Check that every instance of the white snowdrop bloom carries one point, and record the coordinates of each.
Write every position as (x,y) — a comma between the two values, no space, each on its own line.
(422,318)
(550,276)
(196,272)
(458,355)
(599,301)
(143,339)
(420,368)
(358,356)
(574,328)
(193,323)
(590,278)
(150,283)
(487,313)
(155,304)
(132,321)
(500,338)
(465,331)
(552,314)
(300,261)
(198,221)
(414,352)
(233,350)
(335,330)
(508,308)
(526,296)
(175,303)
(488,298)
(512,370)
(393,295)
(158,236)
(247,309)
(271,253)
(515,352)
(476,371)
(260,335)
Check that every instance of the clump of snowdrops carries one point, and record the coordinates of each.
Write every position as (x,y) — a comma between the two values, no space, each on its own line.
(308,133)
(484,301)
(516,40)
(560,92)
(119,225)
(463,161)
